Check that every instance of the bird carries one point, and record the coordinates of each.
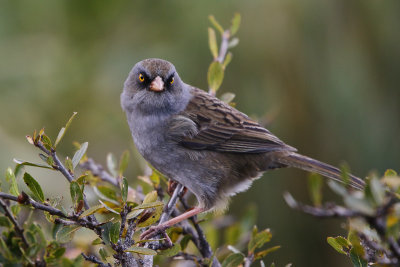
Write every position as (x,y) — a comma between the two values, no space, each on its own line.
(202,143)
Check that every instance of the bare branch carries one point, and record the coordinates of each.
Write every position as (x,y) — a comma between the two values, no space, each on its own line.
(94,259)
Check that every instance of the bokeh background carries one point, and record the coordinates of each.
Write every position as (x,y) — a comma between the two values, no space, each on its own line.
(325,74)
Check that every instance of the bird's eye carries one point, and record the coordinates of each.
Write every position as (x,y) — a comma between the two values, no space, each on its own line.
(141,78)
(172,80)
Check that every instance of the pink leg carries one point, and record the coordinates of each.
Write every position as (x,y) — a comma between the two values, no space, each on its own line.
(155,230)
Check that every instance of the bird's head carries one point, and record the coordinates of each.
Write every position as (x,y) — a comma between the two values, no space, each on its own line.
(153,86)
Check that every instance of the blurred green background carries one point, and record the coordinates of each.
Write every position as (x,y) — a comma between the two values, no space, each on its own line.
(325,74)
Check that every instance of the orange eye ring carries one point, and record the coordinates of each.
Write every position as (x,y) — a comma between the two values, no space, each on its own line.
(141,78)
(172,80)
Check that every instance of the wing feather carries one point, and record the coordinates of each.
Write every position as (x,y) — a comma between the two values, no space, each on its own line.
(222,128)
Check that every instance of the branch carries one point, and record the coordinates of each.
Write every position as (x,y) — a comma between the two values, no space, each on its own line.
(18,229)
(171,204)
(201,242)
(224,46)
(94,259)
(328,211)
(29,201)
(67,174)
(98,170)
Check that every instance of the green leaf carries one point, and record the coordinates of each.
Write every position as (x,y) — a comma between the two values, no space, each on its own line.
(212,43)
(91,211)
(259,240)
(10,178)
(5,222)
(390,172)
(171,251)
(76,192)
(26,163)
(355,242)
(68,164)
(340,244)
(97,241)
(124,189)
(345,173)
(337,188)
(155,177)
(34,186)
(123,162)
(234,42)
(235,24)
(79,154)
(114,232)
(55,229)
(149,205)
(141,250)
(233,260)
(64,129)
(357,259)
(150,197)
(133,214)
(112,164)
(46,142)
(315,188)
(108,207)
(263,253)
(227,97)
(377,190)
(103,253)
(215,23)
(106,193)
(67,233)
(228,59)
(105,233)
(233,233)
(150,217)
(360,205)
(215,75)
(185,241)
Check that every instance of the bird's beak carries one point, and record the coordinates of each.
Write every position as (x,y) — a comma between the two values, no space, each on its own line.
(157,85)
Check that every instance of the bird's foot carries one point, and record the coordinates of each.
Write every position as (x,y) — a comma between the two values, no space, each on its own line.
(172,186)
(154,231)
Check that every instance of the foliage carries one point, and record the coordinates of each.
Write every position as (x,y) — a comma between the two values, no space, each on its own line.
(373,218)
(119,212)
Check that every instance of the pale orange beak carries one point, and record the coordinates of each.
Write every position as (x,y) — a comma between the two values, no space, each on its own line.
(157,85)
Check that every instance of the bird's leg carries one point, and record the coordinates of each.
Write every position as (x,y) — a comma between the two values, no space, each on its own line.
(172,186)
(155,230)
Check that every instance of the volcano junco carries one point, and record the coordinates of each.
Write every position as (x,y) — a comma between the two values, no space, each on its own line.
(195,139)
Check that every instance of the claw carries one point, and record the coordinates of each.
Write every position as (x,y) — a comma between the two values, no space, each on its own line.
(172,186)
(153,231)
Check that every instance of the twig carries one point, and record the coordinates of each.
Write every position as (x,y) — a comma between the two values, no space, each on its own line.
(224,46)
(222,52)
(323,212)
(61,167)
(36,205)
(98,170)
(248,260)
(68,175)
(171,204)
(94,259)
(189,257)
(18,229)
(201,243)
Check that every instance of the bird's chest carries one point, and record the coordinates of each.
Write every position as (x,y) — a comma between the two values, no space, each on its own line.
(151,139)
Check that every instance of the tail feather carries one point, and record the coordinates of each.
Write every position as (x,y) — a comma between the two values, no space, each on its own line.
(312,165)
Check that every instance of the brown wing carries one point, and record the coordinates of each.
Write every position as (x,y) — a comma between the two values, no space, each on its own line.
(222,128)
